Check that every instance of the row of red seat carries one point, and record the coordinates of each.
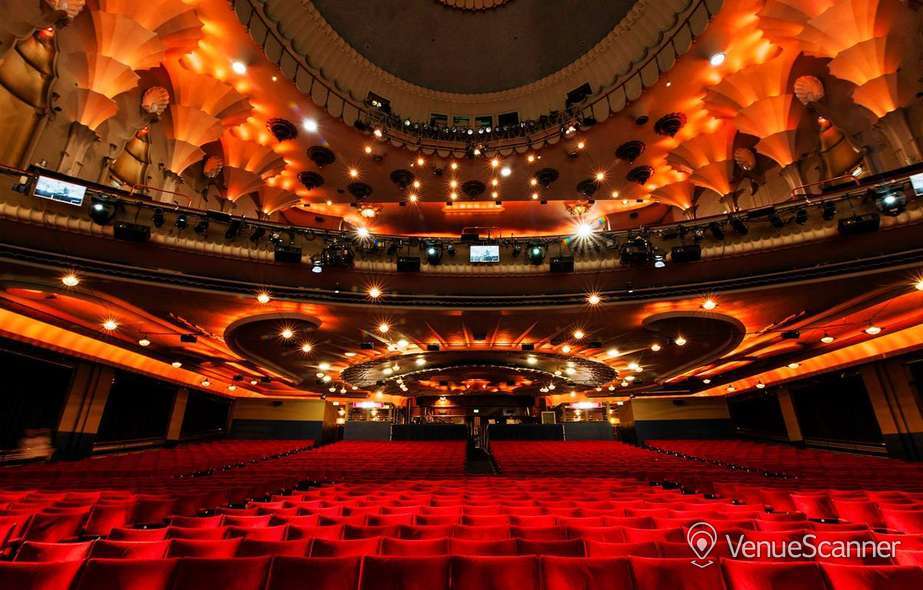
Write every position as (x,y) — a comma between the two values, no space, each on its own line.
(455,573)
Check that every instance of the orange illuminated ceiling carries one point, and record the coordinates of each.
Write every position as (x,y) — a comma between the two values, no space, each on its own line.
(775,123)
(596,349)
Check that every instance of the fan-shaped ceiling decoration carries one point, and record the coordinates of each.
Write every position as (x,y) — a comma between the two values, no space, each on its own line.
(271,199)
(783,20)
(678,194)
(247,164)
(175,22)
(708,158)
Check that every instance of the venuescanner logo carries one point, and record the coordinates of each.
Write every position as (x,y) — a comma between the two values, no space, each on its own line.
(703,538)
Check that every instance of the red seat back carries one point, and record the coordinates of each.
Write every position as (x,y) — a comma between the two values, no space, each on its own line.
(127,574)
(322,573)
(495,573)
(36,551)
(38,576)
(600,573)
(405,573)
(242,573)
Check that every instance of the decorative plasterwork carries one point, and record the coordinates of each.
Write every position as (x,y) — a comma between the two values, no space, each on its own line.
(324,66)
(473,4)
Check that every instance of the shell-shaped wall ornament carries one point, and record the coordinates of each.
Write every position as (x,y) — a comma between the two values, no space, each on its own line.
(808,89)
(213,166)
(155,101)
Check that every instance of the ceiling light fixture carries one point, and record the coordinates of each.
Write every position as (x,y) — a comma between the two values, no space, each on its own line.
(873,330)
(760,385)
(717,58)
(593,299)
(306,348)
(176,364)
(374,292)
(287,333)
(794,365)
(680,341)
(239,67)
(579,334)
(206,382)
(505,171)
(383,327)
(827,338)
(709,304)
(263,297)
(70,280)
(110,325)
(584,230)
(655,347)
(144,342)
(309,125)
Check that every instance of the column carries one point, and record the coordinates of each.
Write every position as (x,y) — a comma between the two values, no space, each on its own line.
(175,428)
(896,408)
(792,428)
(83,410)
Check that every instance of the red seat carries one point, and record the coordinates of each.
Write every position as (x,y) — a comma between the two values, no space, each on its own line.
(495,573)
(405,573)
(601,573)
(481,532)
(365,532)
(389,519)
(905,521)
(483,547)
(127,574)
(200,534)
(152,509)
(657,535)
(38,576)
(610,534)
(54,528)
(129,549)
(196,522)
(315,532)
(539,533)
(486,520)
(247,520)
(36,551)
(259,548)
(414,547)
(872,577)
(565,548)
(436,519)
(213,549)
(258,533)
(862,511)
(125,534)
(544,520)
(769,575)
(909,557)
(105,517)
(435,531)
(345,548)
(242,573)
(815,506)
(322,573)
(604,549)
(652,573)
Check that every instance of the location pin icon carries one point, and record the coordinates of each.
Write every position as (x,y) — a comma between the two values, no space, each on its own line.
(702,538)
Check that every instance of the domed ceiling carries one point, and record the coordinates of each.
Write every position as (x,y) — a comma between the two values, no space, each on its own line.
(440,46)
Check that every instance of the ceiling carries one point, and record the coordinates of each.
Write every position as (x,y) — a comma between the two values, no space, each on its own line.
(435,46)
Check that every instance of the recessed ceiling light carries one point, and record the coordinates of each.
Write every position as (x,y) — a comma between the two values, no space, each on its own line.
(593,299)
(706,381)
(612,352)
(263,297)
(827,338)
(110,325)
(761,385)
(70,280)
(232,387)
(176,364)
(383,327)
(578,334)
(600,176)
(566,348)
(794,365)
(731,388)
(306,348)
(680,341)
(717,58)
(505,171)
(494,163)
(239,67)
(709,304)
(287,333)
(374,292)
(873,330)
(323,366)
(253,382)
(309,125)
(362,232)
(353,173)
(918,285)
(421,162)
(144,342)
(206,382)
(655,347)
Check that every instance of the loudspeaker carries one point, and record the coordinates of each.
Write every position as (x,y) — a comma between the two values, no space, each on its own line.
(860,224)
(408,264)
(288,254)
(688,253)
(562,264)
(131,232)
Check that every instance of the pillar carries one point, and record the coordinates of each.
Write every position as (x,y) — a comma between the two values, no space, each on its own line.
(175,427)
(897,408)
(83,410)
(792,428)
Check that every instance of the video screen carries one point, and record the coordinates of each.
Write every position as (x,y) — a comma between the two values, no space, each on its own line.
(484,254)
(916,181)
(59,190)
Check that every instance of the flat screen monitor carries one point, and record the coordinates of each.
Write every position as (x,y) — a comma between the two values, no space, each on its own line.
(59,190)
(484,254)
(916,181)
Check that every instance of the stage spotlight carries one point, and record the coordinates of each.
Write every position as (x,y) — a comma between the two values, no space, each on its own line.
(158,217)
(829,210)
(102,211)
(801,216)
(434,253)
(776,221)
(584,231)
(257,234)
(715,228)
(450,249)
(317,266)
(536,254)
(739,226)
(890,202)
(201,228)
(233,229)
(517,250)
(392,248)
(181,221)
(658,258)
(634,251)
